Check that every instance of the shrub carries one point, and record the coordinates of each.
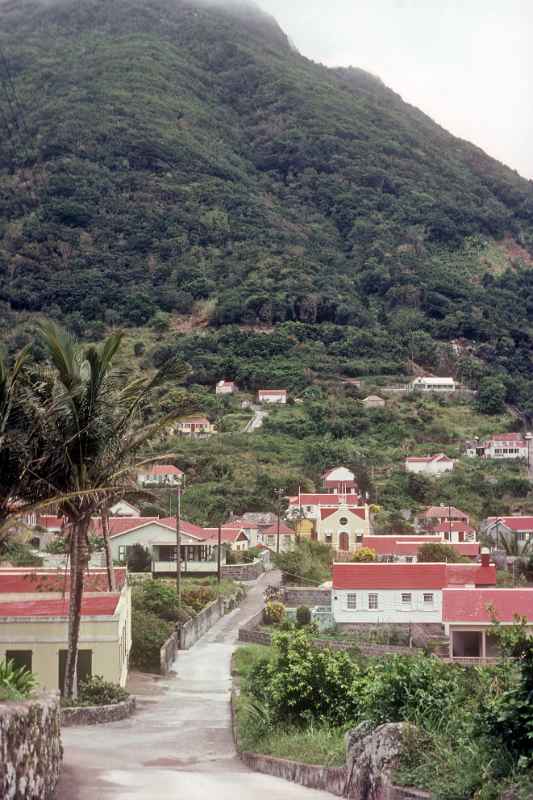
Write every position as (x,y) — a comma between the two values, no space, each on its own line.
(16,683)
(98,692)
(303,616)
(139,559)
(364,554)
(438,552)
(198,597)
(156,597)
(273,613)
(20,555)
(149,633)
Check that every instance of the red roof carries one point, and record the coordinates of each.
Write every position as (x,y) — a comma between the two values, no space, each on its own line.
(506,437)
(162,469)
(472,605)
(514,523)
(227,534)
(355,510)
(91,607)
(392,545)
(442,511)
(194,421)
(283,529)
(321,499)
(272,391)
(410,576)
(239,522)
(26,580)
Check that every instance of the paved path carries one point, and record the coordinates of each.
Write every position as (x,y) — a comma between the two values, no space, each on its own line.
(179,745)
(256,422)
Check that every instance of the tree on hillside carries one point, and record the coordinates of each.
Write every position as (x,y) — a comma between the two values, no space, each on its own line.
(439,552)
(491,396)
(95,432)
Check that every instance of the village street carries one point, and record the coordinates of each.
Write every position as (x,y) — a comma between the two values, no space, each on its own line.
(179,743)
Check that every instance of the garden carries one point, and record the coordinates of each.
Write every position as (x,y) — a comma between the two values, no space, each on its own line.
(157,611)
(471,728)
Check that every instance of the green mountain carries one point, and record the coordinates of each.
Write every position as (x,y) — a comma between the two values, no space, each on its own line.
(182,159)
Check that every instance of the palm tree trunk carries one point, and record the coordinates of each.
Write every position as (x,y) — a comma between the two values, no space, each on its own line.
(79,557)
(111,582)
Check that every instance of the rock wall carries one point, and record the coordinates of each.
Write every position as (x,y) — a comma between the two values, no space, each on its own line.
(96,715)
(243,572)
(328,779)
(30,748)
(294,596)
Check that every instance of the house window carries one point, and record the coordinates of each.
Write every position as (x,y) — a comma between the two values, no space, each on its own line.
(372,601)
(406,598)
(351,601)
(328,538)
(428,598)
(20,658)
(122,553)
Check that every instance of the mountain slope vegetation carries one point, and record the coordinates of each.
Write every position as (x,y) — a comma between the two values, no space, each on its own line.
(167,158)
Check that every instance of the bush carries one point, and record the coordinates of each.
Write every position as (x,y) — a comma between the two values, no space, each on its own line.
(303,616)
(438,552)
(149,633)
(198,597)
(15,683)
(158,598)
(273,613)
(364,554)
(139,559)
(20,555)
(97,692)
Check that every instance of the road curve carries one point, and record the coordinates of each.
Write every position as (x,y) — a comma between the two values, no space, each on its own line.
(179,745)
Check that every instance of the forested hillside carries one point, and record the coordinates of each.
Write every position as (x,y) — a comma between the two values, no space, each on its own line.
(164,159)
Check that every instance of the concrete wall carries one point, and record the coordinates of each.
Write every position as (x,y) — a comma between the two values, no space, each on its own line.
(243,572)
(329,779)
(189,632)
(167,654)
(30,748)
(294,596)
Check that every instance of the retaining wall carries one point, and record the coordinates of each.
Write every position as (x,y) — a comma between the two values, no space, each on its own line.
(243,572)
(329,779)
(167,654)
(96,715)
(189,632)
(294,596)
(30,748)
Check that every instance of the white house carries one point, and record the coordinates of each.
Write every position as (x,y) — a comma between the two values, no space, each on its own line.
(159,475)
(308,506)
(340,480)
(433,385)
(124,509)
(514,532)
(196,427)
(272,396)
(400,593)
(373,401)
(226,387)
(501,446)
(429,465)
(236,538)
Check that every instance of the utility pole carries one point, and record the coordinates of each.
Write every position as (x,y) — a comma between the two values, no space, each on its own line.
(178,544)
(279,493)
(219,554)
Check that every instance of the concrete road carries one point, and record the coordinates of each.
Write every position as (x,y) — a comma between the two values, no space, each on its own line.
(256,422)
(179,744)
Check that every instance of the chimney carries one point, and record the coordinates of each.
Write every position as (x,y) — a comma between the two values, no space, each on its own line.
(485,557)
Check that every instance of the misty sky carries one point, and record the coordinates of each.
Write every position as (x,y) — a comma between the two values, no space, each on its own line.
(466,63)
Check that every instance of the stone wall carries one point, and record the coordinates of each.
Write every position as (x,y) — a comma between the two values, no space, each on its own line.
(167,654)
(30,748)
(96,715)
(243,572)
(189,632)
(294,596)
(329,779)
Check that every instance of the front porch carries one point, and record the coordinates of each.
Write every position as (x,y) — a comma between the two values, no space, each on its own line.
(473,646)
(196,559)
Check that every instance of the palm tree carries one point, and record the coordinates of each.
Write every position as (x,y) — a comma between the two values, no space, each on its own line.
(95,431)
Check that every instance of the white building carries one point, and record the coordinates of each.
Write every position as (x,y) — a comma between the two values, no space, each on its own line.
(124,509)
(433,385)
(429,465)
(159,475)
(272,396)
(373,401)
(226,387)
(340,480)
(501,446)
(400,593)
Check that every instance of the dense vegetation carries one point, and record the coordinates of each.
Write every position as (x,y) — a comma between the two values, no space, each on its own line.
(471,727)
(164,158)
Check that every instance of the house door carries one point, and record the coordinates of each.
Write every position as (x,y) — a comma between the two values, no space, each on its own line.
(85,663)
(344,541)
